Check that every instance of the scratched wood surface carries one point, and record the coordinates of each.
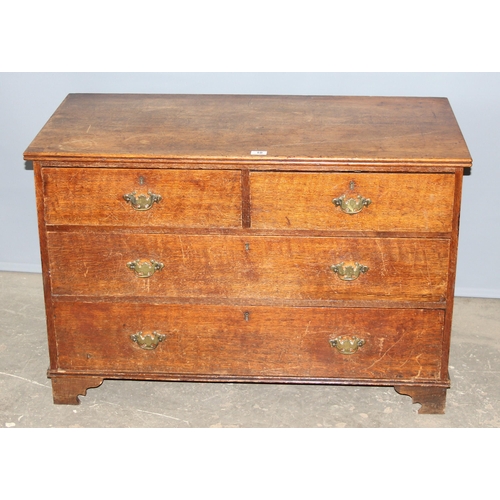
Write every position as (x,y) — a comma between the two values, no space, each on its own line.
(398,202)
(242,238)
(249,267)
(266,342)
(346,129)
(192,198)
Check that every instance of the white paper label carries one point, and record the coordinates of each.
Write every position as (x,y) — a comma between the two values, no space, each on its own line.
(259,153)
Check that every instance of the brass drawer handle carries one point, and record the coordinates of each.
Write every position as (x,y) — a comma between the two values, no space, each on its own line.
(349,273)
(149,341)
(347,344)
(352,205)
(142,202)
(144,269)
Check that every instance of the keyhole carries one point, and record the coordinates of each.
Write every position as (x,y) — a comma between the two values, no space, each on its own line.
(246,315)
(141,180)
(247,246)
(352,185)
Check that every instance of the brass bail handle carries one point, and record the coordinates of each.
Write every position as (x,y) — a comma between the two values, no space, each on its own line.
(347,344)
(145,269)
(142,202)
(349,273)
(147,342)
(352,205)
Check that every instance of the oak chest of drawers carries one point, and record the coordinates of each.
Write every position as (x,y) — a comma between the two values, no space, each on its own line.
(281,239)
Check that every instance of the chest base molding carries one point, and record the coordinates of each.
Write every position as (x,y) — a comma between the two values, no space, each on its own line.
(67,387)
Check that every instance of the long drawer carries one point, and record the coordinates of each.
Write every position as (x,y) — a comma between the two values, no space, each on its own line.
(251,341)
(252,267)
(142,197)
(350,201)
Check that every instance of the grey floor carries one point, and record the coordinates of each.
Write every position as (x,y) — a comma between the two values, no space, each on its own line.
(26,395)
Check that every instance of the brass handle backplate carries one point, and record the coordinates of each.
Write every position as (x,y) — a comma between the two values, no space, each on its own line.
(144,269)
(143,201)
(352,205)
(349,273)
(347,344)
(148,341)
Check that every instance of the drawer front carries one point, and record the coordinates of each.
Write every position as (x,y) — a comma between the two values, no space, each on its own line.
(252,341)
(124,197)
(397,202)
(225,267)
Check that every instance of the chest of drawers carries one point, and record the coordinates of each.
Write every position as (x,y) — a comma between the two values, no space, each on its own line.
(279,239)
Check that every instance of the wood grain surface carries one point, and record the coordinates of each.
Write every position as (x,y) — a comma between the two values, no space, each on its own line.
(190,198)
(248,267)
(344,129)
(222,340)
(399,202)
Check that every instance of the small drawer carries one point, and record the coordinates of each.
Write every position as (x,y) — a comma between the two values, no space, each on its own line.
(249,341)
(141,197)
(259,267)
(350,201)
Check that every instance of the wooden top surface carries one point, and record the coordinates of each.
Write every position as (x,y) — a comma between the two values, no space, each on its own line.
(226,128)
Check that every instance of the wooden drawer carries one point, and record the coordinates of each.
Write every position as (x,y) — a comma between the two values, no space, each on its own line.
(398,202)
(251,341)
(95,196)
(267,268)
